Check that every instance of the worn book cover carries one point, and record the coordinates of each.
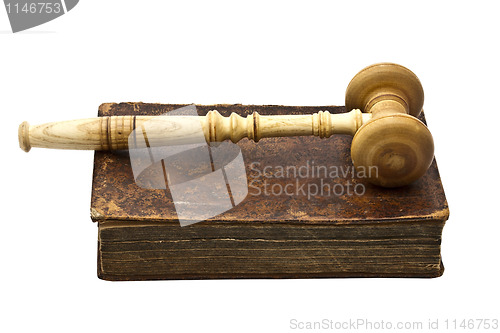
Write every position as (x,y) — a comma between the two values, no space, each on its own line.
(306,213)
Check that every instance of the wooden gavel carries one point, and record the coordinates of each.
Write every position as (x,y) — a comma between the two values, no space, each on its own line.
(384,100)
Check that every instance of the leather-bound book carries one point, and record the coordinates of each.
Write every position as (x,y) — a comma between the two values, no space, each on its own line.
(305,212)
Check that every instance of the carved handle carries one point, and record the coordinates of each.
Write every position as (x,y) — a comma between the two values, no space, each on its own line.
(110,133)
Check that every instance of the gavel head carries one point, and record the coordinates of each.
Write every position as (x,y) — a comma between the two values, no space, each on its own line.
(394,145)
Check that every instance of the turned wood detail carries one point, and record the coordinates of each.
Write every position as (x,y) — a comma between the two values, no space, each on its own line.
(395,142)
(112,133)
(254,127)
(384,100)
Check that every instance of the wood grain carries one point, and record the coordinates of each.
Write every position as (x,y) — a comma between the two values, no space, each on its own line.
(393,232)
(383,101)
(112,133)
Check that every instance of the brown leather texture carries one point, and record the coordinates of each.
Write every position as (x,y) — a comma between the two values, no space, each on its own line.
(381,233)
(116,197)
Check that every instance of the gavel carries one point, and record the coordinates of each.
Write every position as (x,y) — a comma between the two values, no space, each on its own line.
(383,101)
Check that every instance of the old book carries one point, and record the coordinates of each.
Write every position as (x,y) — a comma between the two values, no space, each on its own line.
(307,214)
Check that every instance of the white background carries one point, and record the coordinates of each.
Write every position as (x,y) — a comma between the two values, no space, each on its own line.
(250,52)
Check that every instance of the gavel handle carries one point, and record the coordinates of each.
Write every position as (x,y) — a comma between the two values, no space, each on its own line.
(112,133)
